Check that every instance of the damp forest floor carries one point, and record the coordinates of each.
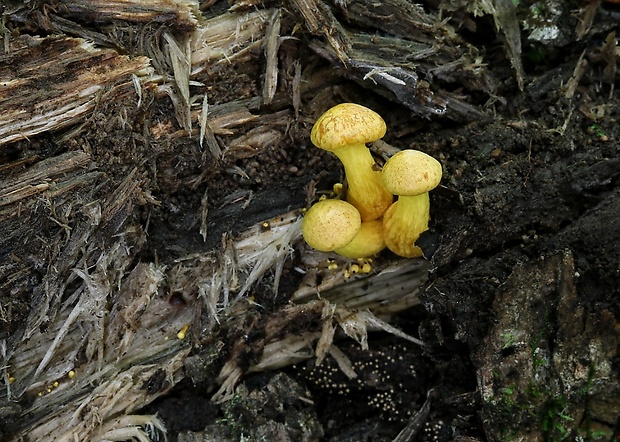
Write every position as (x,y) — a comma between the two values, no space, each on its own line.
(520,314)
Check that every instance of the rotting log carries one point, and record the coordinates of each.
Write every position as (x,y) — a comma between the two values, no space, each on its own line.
(112,216)
(47,84)
(178,13)
(100,341)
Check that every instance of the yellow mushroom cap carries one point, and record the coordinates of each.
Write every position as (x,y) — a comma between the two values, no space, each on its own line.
(330,224)
(411,172)
(347,124)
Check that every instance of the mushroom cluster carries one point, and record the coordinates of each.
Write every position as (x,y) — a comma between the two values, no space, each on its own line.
(369,220)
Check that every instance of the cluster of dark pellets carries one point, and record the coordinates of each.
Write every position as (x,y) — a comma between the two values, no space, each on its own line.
(387,382)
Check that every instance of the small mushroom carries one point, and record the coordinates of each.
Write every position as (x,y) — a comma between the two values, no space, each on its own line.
(344,130)
(335,226)
(330,224)
(410,174)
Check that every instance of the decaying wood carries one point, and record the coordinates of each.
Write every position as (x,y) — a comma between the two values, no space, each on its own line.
(50,83)
(418,46)
(179,13)
(45,176)
(95,323)
(138,342)
(94,314)
(320,20)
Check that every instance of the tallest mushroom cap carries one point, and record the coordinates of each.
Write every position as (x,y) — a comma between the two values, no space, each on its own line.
(346,124)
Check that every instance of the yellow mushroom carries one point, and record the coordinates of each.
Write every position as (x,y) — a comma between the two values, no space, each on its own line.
(344,130)
(368,241)
(330,224)
(410,174)
(183,332)
(335,226)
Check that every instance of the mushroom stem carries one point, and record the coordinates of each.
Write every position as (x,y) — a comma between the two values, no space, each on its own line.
(368,241)
(344,129)
(366,191)
(403,223)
